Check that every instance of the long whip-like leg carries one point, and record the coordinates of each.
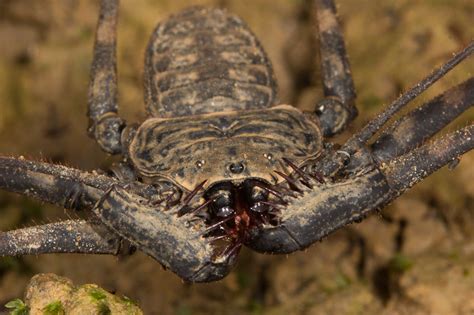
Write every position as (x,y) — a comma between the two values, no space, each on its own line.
(333,163)
(416,127)
(374,125)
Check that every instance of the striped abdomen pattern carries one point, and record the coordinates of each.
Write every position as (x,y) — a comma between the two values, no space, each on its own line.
(206,60)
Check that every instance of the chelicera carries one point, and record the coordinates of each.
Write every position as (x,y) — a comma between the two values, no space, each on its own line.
(218,163)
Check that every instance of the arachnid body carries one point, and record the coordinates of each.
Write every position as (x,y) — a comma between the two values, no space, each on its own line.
(219,164)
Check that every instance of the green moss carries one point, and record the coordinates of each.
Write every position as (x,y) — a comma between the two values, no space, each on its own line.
(54,308)
(97,294)
(100,296)
(103,309)
(17,307)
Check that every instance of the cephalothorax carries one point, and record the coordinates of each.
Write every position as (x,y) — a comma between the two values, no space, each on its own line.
(219,163)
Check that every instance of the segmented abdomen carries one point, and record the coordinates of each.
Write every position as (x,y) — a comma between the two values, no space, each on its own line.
(205,60)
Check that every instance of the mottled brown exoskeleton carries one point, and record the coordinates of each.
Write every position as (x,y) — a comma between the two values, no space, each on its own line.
(218,163)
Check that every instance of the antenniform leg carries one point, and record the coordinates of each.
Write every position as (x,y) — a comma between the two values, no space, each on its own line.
(420,124)
(337,110)
(346,185)
(104,123)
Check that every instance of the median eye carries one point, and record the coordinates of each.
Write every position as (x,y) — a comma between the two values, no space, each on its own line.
(236,168)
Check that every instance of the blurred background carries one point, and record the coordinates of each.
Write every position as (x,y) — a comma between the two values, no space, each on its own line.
(415,257)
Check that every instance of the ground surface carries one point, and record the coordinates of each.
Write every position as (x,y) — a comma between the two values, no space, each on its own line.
(416,259)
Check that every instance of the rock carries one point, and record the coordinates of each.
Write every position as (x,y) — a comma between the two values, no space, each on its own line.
(51,294)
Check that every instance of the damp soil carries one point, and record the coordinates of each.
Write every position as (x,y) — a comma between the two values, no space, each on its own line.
(414,257)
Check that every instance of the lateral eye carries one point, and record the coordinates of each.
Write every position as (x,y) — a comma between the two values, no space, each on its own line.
(200,163)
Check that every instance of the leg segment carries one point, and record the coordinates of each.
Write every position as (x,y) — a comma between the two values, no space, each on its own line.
(377,123)
(322,208)
(173,240)
(63,186)
(72,236)
(356,183)
(362,137)
(337,109)
(104,123)
(417,126)
(405,171)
